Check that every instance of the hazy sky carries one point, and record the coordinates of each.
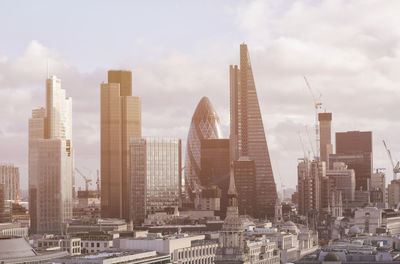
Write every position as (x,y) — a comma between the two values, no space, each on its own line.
(179,51)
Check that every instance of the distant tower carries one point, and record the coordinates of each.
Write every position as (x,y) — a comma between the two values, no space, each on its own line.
(247,132)
(205,125)
(51,161)
(326,147)
(278,213)
(231,247)
(120,120)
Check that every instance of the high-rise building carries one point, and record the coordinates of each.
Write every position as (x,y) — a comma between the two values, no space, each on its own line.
(245,179)
(378,188)
(326,147)
(247,132)
(9,176)
(120,120)
(155,176)
(342,179)
(51,161)
(355,149)
(394,193)
(215,167)
(310,181)
(205,124)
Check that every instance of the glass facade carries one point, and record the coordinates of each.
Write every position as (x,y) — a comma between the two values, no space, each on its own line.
(247,132)
(51,161)
(205,125)
(155,175)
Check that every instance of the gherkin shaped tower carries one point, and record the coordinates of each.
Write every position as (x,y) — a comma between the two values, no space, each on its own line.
(205,125)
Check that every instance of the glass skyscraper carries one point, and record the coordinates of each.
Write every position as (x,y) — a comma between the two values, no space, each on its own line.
(51,161)
(205,125)
(247,132)
(155,176)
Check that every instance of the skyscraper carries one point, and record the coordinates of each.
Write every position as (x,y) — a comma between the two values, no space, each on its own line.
(245,179)
(155,176)
(204,125)
(51,161)
(120,121)
(247,132)
(355,149)
(325,147)
(215,167)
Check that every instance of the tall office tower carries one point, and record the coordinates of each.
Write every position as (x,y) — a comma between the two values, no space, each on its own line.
(245,179)
(247,132)
(205,125)
(215,167)
(155,176)
(9,176)
(342,179)
(325,147)
(355,149)
(310,176)
(121,119)
(5,206)
(51,161)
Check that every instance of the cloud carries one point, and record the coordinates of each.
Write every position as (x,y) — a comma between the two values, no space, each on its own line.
(349,54)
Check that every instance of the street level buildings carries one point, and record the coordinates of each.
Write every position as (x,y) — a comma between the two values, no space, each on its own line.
(247,132)
(120,120)
(51,161)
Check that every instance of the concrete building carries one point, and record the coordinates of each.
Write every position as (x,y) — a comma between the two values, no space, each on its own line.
(96,241)
(72,245)
(96,225)
(342,179)
(117,257)
(326,147)
(155,176)
(13,229)
(247,132)
(16,250)
(394,193)
(368,219)
(310,176)
(51,161)
(215,165)
(205,124)
(9,177)
(355,149)
(182,248)
(121,119)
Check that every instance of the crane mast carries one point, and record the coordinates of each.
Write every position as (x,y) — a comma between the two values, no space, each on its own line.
(317,108)
(395,168)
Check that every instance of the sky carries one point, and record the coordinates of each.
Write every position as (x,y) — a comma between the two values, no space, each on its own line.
(180,51)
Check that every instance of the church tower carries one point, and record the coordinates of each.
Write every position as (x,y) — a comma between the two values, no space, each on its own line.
(278,213)
(231,247)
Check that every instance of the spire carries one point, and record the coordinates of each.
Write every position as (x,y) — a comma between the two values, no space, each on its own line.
(232,187)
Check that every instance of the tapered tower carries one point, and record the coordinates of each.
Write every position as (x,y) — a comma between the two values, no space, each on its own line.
(247,133)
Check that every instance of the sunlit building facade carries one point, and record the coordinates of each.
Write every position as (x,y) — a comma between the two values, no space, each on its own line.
(51,161)
(155,176)
(247,132)
(205,125)
(120,120)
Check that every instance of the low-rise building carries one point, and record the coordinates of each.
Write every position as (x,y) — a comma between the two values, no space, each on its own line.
(72,245)
(182,248)
(96,242)
(117,257)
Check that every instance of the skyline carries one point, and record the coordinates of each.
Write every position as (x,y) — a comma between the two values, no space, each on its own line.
(193,75)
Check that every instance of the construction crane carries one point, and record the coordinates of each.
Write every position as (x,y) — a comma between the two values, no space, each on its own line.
(396,168)
(87,180)
(317,108)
